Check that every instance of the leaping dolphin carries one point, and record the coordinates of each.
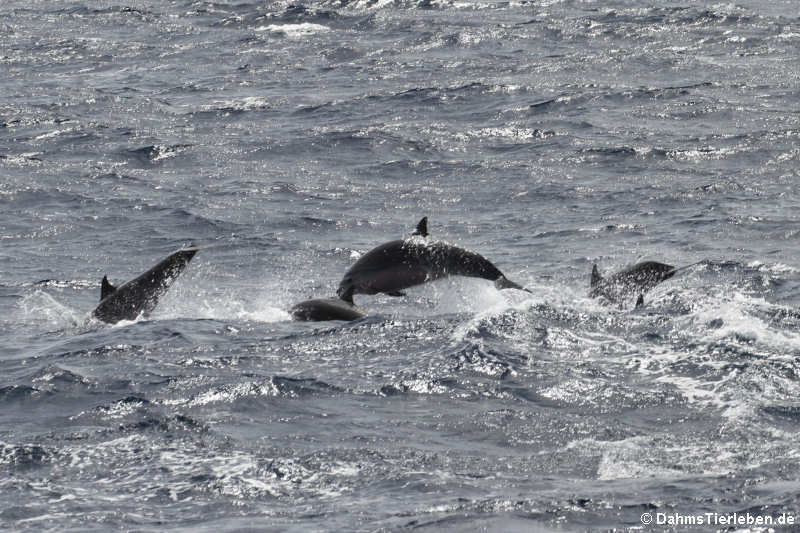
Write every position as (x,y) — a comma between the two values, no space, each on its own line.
(633,281)
(325,309)
(400,264)
(140,295)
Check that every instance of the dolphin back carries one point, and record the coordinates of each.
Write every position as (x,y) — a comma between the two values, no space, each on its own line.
(400,264)
(325,309)
(140,295)
(397,265)
(632,281)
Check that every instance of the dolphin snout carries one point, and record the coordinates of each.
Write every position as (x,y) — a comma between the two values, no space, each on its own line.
(346,289)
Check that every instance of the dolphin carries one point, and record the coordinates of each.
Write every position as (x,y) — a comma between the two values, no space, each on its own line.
(397,265)
(316,310)
(632,281)
(140,295)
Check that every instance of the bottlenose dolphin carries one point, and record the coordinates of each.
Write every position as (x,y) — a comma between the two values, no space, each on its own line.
(140,295)
(397,265)
(325,309)
(633,281)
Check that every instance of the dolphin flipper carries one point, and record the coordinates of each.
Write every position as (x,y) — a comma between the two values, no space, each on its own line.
(395,293)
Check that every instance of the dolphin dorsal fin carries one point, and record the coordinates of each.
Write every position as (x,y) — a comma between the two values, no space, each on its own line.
(596,277)
(106,288)
(422,228)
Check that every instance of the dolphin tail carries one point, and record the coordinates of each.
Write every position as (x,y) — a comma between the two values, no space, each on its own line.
(596,277)
(504,283)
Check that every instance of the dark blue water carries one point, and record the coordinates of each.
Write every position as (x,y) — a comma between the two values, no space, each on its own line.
(294,137)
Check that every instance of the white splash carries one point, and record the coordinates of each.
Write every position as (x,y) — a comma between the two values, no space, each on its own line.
(295,31)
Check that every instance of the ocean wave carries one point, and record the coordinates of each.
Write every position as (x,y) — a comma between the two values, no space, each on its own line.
(295,31)
(152,154)
(23,457)
(293,138)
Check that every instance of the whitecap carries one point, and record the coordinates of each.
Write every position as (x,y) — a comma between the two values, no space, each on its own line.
(295,31)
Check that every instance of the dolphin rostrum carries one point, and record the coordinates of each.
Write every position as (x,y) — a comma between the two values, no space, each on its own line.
(632,281)
(325,309)
(397,265)
(140,295)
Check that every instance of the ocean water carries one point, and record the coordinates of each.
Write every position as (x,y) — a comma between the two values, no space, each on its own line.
(290,138)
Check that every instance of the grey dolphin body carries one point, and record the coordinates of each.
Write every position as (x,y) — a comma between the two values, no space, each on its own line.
(633,281)
(325,309)
(403,263)
(140,295)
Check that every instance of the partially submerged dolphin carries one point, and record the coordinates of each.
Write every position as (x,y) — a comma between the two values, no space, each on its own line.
(397,265)
(633,281)
(316,310)
(140,295)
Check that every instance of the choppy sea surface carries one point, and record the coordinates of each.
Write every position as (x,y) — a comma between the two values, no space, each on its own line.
(292,137)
